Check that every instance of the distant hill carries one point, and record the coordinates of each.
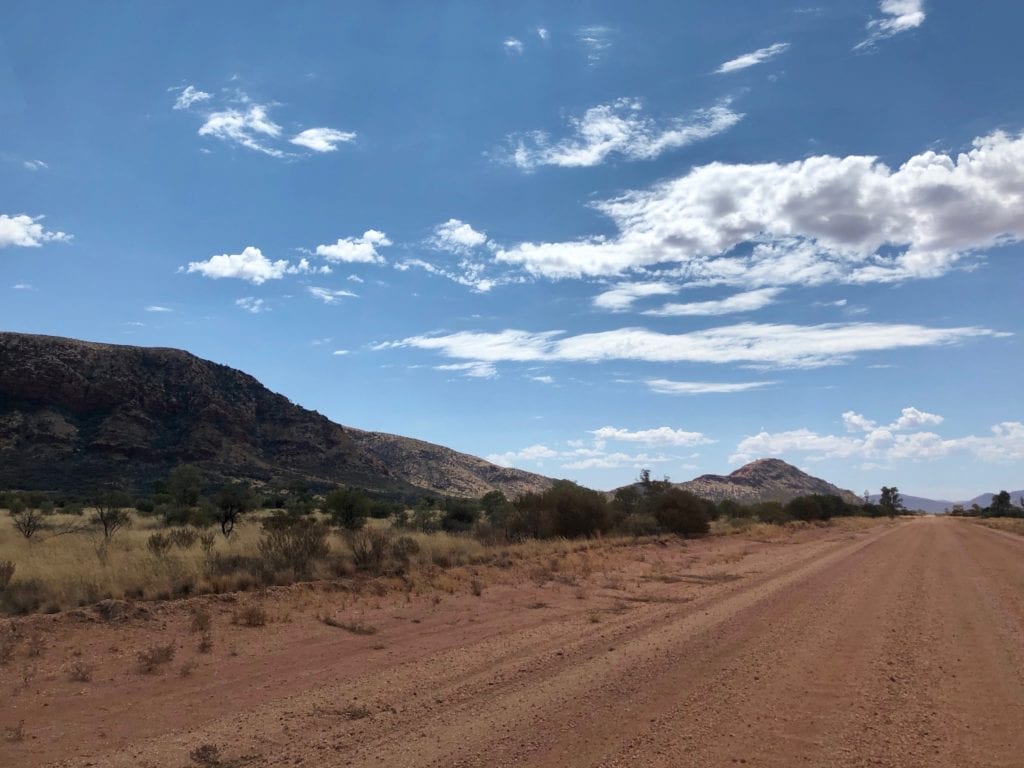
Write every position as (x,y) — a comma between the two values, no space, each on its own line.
(938,506)
(764,480)
(75,415)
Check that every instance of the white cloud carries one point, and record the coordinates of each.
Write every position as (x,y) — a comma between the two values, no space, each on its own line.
(322,139)
(158,308)
(898,16)
(534,453)
(668,387)
(473,370)
(188,96)
(543,379)
(542,33)
(887,444)
(27,232)
(822,219)
(748,301)
(251,304)
(249,265)
(23,287)
(305,268)
(759,345)
(759,56)
(620,297)
(328,296)
(34,165)
(355,279)
(595,40)
(249,128)
(457,237)
(471,274)
(617,460)
(513,45)
(340,352)
(356,249)
(618,128)
(657,436)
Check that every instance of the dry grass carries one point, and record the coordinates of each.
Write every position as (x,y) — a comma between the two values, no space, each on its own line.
(59,571)
(1007,524)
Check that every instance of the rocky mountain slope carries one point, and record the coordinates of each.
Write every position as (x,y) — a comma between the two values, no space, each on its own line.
(76,415)
(764,480)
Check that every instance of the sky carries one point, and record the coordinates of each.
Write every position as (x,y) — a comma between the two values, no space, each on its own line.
(577,238)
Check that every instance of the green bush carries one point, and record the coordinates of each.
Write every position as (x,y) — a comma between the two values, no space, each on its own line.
(681,512)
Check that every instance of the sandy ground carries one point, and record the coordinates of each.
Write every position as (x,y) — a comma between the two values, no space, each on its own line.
(901,645)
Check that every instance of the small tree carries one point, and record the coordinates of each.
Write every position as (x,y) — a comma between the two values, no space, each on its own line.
(27,520)
(1001,505)
(233,500)
(348,508)
(112,514)
(891,502)
(185,485)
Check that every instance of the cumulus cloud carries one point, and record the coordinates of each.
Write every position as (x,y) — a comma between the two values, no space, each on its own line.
(513,45)
(27,232)
(888,443)
(356,249)
(897,16)
(657,436)
(753,58)
(252,304)
(249,265)
(322,139)
(249,128)
(457,237)
(621,297)
(757,345)
(669,387)
(329,296)
(823,219)
(749,301)
(188,96)
(619,128)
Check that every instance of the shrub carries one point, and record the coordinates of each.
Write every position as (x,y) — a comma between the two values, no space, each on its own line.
(159,544)
(565,509)
(681,512)
(183,538)
(641,524)
(369,547)
(294,546)
(27,521)
(80,671)
(151,659)
(6,573)
(251,615)
(347,507)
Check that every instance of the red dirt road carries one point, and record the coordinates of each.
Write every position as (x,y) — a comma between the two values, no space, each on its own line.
(902,645)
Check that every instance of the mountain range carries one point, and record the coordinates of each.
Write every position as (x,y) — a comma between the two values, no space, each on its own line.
(938,506)
(76,416)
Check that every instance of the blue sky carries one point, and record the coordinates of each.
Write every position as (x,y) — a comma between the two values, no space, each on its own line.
(577,238)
